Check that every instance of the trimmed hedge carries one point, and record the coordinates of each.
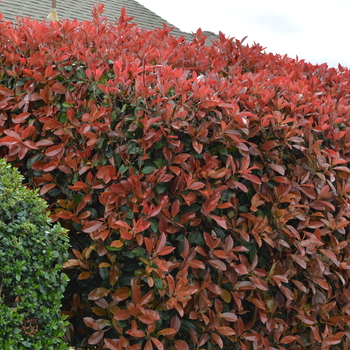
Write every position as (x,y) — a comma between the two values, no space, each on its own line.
(31,278)
(206,189)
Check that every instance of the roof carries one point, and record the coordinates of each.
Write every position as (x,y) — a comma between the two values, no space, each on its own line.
(81,10)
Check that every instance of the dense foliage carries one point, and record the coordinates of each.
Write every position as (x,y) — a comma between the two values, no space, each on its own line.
(206,188)
(31,279)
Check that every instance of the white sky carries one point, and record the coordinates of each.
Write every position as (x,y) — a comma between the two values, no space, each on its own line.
(315,30)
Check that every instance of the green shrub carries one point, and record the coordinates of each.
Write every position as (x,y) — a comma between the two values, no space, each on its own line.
(31,278)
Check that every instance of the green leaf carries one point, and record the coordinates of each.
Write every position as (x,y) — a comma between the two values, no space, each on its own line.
(147,170)
(27,344)
(133,148)
(123,168)
(186,326)
(161,187)
(159,162)
(104,273)
(140,252)
(154,225)
(158,283)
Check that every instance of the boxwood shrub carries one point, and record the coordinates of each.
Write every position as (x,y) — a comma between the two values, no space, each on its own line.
(31,278)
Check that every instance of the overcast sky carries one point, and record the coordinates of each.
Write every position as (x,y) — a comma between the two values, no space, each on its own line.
(317,31)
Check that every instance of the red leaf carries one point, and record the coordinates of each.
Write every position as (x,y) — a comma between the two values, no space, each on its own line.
(220,254)
(175,208)
(214,288)
(309,192)
(122,315)
(196,264)
(64,214)
(288,339)
(162,264)
(46,188)
(280,278)
(322,283)
(278,168)
(166,250)
(135,346)
(117,243)
(9,140)
(196,186)
(244,285)
(332,341)
(21,117)
(218,264)
(218,174)
(299,260)
(96,337)
(217,339)
(91,226)
(148,345)
(197,147)
(146,298)
(220,221)
(301,286)
(84,275)
(79,185)
(229,316)
(58,88)
(53,150)
(44,143)
(136,333)
(106,173)
(259,283)
(241,186)
(257,302)
(6,92)
(181,345)
(252,337)
(122,224)
(149,317)
(186,217)
(307,319)
(175,170)
(98,293)
(167,331)
(187,290)
(181,158)
(268,145)
(225,331)
(90,322)
(98,311)
(157,343)
(70,263)
(342,168)
(252,178)
(121,294)
(281,179)
(241,269)
(329,254)
(111,344)
(141,226)
(50,166)
(240,248)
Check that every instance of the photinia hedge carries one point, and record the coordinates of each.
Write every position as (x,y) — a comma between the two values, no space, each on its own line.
(205,188)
